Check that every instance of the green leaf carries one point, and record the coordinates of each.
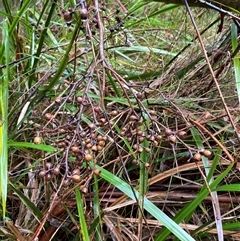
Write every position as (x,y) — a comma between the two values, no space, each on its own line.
(229,188)
(41,147)
(81,213)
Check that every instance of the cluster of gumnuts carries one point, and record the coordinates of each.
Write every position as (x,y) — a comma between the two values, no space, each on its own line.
(86,144)
(133,131)
(49,171)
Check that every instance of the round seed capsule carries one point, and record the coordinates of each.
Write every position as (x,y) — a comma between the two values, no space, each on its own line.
(97,172)
(48,116)
(139,95)
(182,134)
(133,118)
(75,149)
(92,126)
(89,146)
(88,157)
(140,149)
(84,189)
(147,165)
(152,112)
(49,165)
(207,153)
(61,144)
(114,113)
(94,148)
(56,170)
(83,134)
(172,139)
(58,100)
(42,173)
(37,140)
(48,177)
(76,171)
(99,148)
(79,100)
(76,178)
(101,143)
(168,132)
(158,137)
(83,13)
(66,183)
(197,157)
(134,162)
(104,138)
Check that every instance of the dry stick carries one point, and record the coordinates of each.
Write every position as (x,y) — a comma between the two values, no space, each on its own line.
(101,52)
(211,70)
(122,6)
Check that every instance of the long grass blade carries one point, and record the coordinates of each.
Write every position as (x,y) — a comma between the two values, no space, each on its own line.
(236,62)
(82,220)
(4,122)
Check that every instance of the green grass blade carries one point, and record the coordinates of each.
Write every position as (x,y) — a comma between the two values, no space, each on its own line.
(96,208)
(4,122)
(41,147)
(82,220)
(236,63)
(229,188)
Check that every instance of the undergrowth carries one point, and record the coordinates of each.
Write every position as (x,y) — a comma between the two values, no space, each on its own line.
(113,126)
